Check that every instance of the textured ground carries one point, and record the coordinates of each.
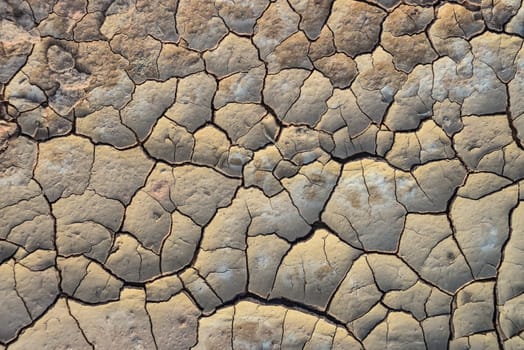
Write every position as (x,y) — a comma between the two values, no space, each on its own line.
(289,174)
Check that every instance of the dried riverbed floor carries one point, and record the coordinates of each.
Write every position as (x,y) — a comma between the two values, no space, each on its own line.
(288,174)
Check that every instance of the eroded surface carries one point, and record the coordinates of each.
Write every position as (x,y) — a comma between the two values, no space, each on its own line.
(265,174)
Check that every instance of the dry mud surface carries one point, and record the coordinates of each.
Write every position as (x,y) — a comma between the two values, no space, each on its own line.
(285,174)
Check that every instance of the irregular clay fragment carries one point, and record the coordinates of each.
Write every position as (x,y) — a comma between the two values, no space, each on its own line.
(358,33)
(313,15)
(170,142)
(241,17)
(474,311)
(394,332)
(150,100)
(57,329)
(428,246)
(192,106)
(481,228)
(339,68)
(118,174)
(363,209)
(174,323)
(147,221)
(200,26)
(127,317)
(277,23)
(312,281)
(105,126)
(64,166)
(234,54)
(291,53)
(130,261)
(212,192)
(481,136)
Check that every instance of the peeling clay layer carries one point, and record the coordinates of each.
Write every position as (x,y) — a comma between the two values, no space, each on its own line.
(262,174)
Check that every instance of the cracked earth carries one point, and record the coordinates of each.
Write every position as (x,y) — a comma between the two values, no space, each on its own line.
(284,174)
